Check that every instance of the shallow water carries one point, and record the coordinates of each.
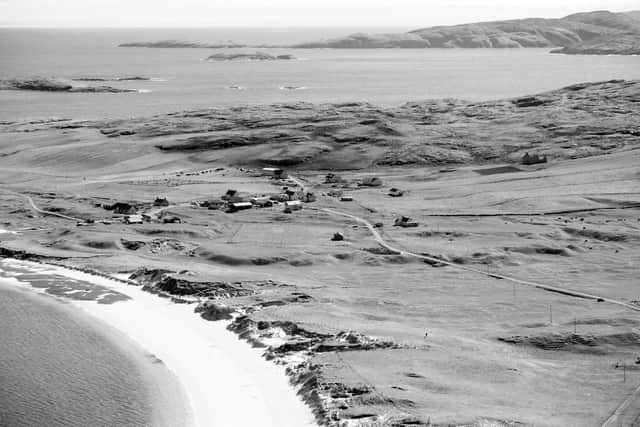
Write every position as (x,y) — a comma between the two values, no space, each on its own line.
(183,80)
(60,368)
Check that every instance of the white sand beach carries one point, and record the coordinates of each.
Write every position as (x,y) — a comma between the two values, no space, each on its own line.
(227,382)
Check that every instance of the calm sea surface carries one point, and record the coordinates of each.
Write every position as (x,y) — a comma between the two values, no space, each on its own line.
(184,80)
(60,368)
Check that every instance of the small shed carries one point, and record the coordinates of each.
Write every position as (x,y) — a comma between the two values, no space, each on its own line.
(332,178)
(230,194)
(214,204)
(262,202)
(171,219)
(159,201)
(133,219)
(239,206)
(279,197)
(277,173)
(405,221)
(294,205)
(396,192)
(371,181)
(533,159)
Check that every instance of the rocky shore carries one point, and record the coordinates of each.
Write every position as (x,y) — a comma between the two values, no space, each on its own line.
(284,342)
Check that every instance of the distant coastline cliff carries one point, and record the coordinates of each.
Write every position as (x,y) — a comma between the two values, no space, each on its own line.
(593,33)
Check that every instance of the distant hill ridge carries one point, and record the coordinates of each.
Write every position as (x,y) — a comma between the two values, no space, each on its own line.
(609,32)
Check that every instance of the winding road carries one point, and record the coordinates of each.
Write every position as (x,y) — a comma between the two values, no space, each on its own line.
(558,289)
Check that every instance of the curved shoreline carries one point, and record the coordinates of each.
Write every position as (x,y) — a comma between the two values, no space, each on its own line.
(109,379)
(226,381)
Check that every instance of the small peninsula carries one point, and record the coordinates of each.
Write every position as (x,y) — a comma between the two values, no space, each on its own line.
(40,84)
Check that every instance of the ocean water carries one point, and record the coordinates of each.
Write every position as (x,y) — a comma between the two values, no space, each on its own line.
(60,368)
(184,80)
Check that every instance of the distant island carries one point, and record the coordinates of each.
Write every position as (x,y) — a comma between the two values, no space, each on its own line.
(181,44)
(42,84)
(592,33)
(256,56)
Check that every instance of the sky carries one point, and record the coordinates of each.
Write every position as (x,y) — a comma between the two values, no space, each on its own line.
(286,13)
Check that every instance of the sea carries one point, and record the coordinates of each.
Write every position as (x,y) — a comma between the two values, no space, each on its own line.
(183,79)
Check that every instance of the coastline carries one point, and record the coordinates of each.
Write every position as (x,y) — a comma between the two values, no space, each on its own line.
(226,382)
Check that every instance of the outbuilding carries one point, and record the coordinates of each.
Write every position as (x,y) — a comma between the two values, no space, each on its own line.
(239,206)
(262,202)
(277,173)
(159,201)
(371,181)
(395,192)
(133,219)
(293,205)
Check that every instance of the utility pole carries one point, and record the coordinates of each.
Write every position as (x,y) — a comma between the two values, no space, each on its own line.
(550,314)
(575,325)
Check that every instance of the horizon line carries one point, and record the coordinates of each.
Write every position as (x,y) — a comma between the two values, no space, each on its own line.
(261,26)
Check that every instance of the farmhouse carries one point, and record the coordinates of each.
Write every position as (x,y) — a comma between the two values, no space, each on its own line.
(122,208)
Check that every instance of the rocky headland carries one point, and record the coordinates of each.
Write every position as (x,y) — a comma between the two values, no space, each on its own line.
(599,32)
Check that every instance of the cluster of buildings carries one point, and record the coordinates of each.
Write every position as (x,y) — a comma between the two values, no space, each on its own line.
(131,213)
